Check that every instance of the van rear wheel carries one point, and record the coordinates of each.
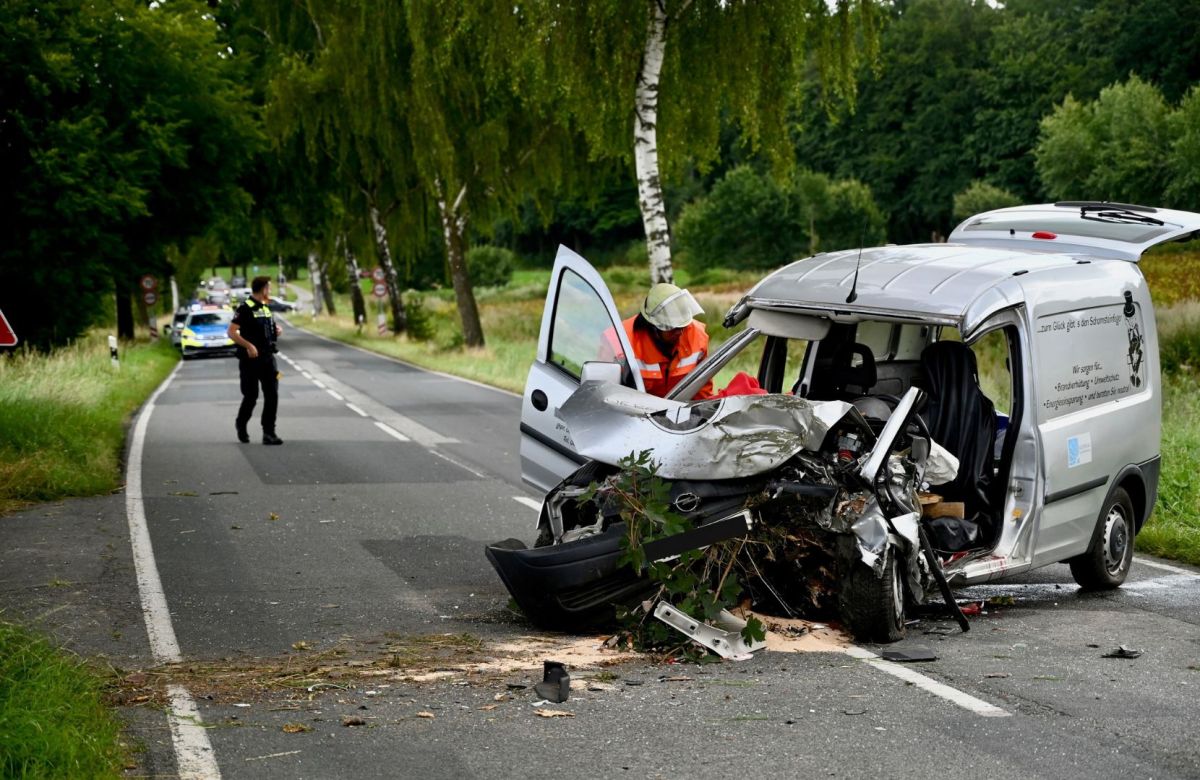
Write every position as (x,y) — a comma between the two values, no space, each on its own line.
(872,607)
(1106,563)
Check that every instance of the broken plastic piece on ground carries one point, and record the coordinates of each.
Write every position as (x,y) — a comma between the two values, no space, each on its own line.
(726,642)
(972,609)
(1122,652)
(556,683)
(908,654)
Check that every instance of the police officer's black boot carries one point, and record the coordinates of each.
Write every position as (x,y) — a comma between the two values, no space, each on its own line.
(270,438)
(243,434)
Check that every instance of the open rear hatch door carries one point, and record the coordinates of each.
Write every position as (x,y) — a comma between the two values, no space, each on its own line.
(1113,230)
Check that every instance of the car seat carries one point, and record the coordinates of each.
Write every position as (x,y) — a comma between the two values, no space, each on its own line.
(963,420)
(853,378)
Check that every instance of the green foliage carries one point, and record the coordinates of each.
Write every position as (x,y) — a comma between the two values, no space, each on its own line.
(53,722)
(700,583)
(124,130)
(750,221)
(1113,148)
(63,416)
(420,321)
(490,266)
(979,197)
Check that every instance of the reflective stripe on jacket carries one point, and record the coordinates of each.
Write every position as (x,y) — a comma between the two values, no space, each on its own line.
(660,373)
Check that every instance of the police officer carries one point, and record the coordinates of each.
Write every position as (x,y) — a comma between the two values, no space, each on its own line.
(667,343)
(254,331)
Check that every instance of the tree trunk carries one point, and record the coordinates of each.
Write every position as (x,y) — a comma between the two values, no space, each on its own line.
(356,296)
(454,228)
(124,308)
(314,280)
(326,287)
(399,320)
(645,147)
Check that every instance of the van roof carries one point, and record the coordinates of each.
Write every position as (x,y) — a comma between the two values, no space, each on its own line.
(951,284)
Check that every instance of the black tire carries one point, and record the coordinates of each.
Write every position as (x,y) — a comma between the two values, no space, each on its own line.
(872,607)
(1106,563)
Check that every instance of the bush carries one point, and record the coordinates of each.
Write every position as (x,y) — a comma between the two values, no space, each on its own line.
(490,266)
(750,221)
(978,197)
(420,320)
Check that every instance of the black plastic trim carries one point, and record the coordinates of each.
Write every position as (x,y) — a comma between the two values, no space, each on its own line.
(541,438)
(1084,487)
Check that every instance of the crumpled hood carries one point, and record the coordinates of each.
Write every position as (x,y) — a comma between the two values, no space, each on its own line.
(723,438)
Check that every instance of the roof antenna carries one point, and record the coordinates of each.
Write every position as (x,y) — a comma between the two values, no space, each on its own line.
(853,296)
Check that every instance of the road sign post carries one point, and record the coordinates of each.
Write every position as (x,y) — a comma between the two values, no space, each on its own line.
(112,352)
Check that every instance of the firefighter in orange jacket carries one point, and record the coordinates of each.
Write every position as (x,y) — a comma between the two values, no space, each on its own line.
(667,343)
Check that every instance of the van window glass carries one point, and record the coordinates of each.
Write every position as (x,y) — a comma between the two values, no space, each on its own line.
(995,378)
(877,336)
(913,339)
(579,331)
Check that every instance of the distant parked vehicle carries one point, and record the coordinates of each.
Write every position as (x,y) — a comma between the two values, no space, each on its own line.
(237,281)
(176,326)
(280,305)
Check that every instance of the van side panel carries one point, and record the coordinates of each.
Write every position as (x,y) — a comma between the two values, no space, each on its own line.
(1098,407)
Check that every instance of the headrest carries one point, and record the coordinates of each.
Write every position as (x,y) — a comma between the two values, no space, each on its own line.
(854,366)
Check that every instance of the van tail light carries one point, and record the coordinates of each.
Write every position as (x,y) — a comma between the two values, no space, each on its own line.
(1045,234)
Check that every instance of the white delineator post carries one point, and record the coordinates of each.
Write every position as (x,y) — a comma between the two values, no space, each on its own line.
(645,147)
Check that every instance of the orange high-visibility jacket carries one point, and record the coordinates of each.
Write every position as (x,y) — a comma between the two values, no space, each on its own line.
(660,373)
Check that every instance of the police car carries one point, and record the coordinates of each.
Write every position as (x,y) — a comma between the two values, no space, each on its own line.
(205,333)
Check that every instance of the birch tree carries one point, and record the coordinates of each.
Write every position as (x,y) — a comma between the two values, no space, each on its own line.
(669,70)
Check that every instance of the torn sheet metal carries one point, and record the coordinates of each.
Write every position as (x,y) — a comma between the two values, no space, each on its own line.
(719,439)
(726,642)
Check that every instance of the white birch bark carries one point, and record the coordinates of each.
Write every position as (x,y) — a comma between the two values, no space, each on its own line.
(454,228)
(314,279)
(399,319)
(645,147)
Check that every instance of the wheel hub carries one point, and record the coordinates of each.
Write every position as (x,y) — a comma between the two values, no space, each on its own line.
(1116,541)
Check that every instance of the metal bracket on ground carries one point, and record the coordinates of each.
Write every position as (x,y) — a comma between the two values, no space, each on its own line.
(726,641)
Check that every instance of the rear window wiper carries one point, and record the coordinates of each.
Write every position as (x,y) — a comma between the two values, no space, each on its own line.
(1108,213)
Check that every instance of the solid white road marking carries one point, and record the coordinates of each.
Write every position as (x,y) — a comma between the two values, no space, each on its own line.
(1165,567)
(529,502)
(953,695)
(336,395)
(193,751)
(390,431)
(457,462)
(356,410)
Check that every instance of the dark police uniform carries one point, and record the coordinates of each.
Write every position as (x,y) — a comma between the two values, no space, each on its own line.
(257,325)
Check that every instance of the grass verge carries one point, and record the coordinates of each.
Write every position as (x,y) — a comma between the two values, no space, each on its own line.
(1173,531)
(63,417)
(53,721)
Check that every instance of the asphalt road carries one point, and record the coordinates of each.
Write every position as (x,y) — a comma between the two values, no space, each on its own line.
(364,531)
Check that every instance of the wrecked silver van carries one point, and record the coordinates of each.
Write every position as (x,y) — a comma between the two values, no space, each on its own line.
(936,414)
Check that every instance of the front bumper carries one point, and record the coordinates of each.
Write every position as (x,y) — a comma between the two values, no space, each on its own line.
(216,349)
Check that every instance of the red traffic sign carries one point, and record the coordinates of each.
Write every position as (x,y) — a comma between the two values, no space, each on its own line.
(149,282)
(150,297)
(377,275)
(380,290)
(7,337)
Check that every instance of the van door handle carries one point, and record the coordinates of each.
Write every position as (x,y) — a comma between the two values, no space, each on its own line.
(540,401)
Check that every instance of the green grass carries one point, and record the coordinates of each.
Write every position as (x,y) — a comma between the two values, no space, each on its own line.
(63,417)
(53,722)
(1173,531)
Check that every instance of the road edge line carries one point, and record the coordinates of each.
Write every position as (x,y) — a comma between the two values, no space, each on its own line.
(1164,566)
(194,756)
(928,684)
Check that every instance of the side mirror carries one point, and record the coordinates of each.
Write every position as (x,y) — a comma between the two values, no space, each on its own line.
(598,371)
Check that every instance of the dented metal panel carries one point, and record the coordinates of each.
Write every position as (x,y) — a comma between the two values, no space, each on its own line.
(719,439)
